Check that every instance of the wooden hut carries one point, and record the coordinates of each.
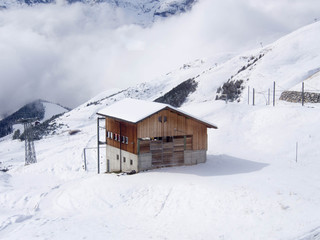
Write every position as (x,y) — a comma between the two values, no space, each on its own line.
(143,135)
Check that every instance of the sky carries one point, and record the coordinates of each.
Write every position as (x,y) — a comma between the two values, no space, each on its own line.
(69,53)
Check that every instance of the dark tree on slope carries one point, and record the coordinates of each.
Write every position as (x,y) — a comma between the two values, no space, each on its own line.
(5,129)
(178,95)
(230,91)
(16,134)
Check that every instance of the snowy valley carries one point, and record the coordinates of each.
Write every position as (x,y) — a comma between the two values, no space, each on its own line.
(260,181)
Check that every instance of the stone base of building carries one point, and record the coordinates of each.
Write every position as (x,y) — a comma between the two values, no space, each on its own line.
(123,161)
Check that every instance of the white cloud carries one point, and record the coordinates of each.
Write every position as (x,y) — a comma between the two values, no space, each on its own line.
(68,53)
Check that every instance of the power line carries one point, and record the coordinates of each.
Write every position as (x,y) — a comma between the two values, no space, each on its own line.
(312,87)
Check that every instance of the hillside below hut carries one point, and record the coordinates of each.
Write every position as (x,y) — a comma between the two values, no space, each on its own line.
(143,135)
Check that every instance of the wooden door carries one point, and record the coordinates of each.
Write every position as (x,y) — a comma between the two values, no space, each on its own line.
(167,151)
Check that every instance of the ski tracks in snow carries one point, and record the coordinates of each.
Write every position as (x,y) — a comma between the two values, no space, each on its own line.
(164,202)
(312,235)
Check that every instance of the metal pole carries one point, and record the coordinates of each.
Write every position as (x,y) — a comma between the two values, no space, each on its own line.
(274,93)
(25,144)
(85,159)
(296,151)
(120,147)
(253,95)
(98,144)
(302,94)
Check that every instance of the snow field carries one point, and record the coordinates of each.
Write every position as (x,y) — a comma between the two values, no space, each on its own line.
(52,109)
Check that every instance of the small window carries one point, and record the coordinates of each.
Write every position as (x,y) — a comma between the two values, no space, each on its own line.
(117,156)
(164,118)
(127,140)
(124,159)
(123,139)
(131,162)
(111,135)
(119,137)
(160,119)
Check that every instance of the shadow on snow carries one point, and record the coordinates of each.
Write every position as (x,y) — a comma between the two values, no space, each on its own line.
(218,165)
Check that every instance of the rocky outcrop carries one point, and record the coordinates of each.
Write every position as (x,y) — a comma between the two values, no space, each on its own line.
(295,97)
(173,8)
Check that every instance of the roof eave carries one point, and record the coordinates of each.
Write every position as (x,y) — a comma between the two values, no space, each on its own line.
(208,125)
(115,118)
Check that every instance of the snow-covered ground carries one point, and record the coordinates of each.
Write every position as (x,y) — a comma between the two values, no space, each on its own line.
(260,181)
(250,188)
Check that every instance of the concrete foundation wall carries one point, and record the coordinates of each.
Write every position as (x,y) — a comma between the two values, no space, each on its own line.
(129,161)
(195,157)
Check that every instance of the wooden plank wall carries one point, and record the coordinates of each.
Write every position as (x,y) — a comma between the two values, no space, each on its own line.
(176,125)
(127,130)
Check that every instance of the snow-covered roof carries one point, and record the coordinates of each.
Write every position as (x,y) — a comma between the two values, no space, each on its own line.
(134,111)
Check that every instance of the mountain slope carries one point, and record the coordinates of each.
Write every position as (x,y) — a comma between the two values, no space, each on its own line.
(289,61)
(255,185)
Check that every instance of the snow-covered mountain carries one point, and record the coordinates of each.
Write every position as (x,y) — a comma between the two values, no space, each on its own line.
(288,62)
(146,10)
(260,181)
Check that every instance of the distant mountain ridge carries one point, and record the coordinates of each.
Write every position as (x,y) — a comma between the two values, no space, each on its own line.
(148,9)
